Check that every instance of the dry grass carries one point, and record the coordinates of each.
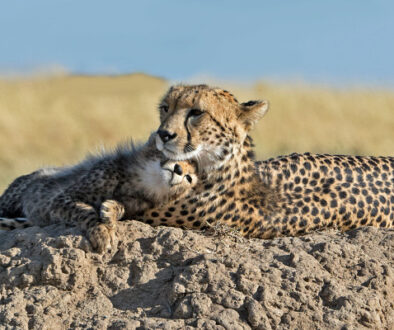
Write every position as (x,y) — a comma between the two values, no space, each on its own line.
(56,120)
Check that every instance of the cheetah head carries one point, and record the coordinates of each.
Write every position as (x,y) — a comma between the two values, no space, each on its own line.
(204,123)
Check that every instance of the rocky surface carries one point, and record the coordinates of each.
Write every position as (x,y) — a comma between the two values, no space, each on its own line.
(172,278)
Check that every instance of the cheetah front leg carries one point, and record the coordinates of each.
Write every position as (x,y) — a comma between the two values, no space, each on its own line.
(100,228)
(102,235)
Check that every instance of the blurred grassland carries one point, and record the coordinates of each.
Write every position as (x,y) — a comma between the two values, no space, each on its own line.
(57,120)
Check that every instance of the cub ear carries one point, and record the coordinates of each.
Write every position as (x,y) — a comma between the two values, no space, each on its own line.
(251,112)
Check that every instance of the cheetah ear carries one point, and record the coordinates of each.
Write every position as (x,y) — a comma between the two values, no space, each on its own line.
(251,112)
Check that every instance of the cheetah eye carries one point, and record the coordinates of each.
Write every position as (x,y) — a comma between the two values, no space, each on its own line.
(195,113)
(188,178)
(164,108)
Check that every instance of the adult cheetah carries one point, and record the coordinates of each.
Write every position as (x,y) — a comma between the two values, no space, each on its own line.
(288,195)
(138,178)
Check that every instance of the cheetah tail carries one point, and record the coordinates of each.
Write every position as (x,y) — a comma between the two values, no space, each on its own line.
(10,224)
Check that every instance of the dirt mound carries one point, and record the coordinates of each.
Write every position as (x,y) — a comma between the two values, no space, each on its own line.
(172,278)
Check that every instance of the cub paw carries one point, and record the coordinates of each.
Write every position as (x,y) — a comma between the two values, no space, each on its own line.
(111,211)
(102,237)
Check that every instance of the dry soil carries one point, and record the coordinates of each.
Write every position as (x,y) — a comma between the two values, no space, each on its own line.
(172,278)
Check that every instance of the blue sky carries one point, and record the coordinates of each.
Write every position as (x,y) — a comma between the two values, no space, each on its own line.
(333,41)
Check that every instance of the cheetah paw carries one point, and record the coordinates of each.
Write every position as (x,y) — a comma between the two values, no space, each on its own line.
(102,237)
(111,211)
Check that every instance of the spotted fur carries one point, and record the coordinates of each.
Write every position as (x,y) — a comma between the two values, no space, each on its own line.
(85,194)
(289,195)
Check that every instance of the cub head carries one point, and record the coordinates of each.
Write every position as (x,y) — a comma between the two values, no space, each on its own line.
(204,123)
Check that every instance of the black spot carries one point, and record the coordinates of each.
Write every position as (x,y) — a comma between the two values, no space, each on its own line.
(293,168)
(333,203)
(149,221)
(249,103)
(231,207)
(360,214)
(235,218)
(168,214)
(352,200)
(342,210)
(316,221)
(342,194)
(316,175)
(179,222)
(349,179)
(221,187)
(196,223)
(230,193)
(355,191)
(155,214)
(212,209)
(323,169)
(305,209)
(315,211)
(190,218)
(184,212)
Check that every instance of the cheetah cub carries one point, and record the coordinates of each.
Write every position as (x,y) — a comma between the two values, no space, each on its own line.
(97,192)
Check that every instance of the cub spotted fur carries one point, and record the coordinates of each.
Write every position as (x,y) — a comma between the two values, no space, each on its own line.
(138,178)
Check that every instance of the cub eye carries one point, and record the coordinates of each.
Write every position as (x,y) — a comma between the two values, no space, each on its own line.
(188,178)
(164,108)
(195,113)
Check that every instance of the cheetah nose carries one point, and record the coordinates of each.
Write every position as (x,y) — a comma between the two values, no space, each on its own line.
(166,136)
(178,169)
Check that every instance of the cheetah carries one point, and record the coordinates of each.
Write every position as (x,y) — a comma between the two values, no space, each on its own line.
(289,195)
(96,192)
